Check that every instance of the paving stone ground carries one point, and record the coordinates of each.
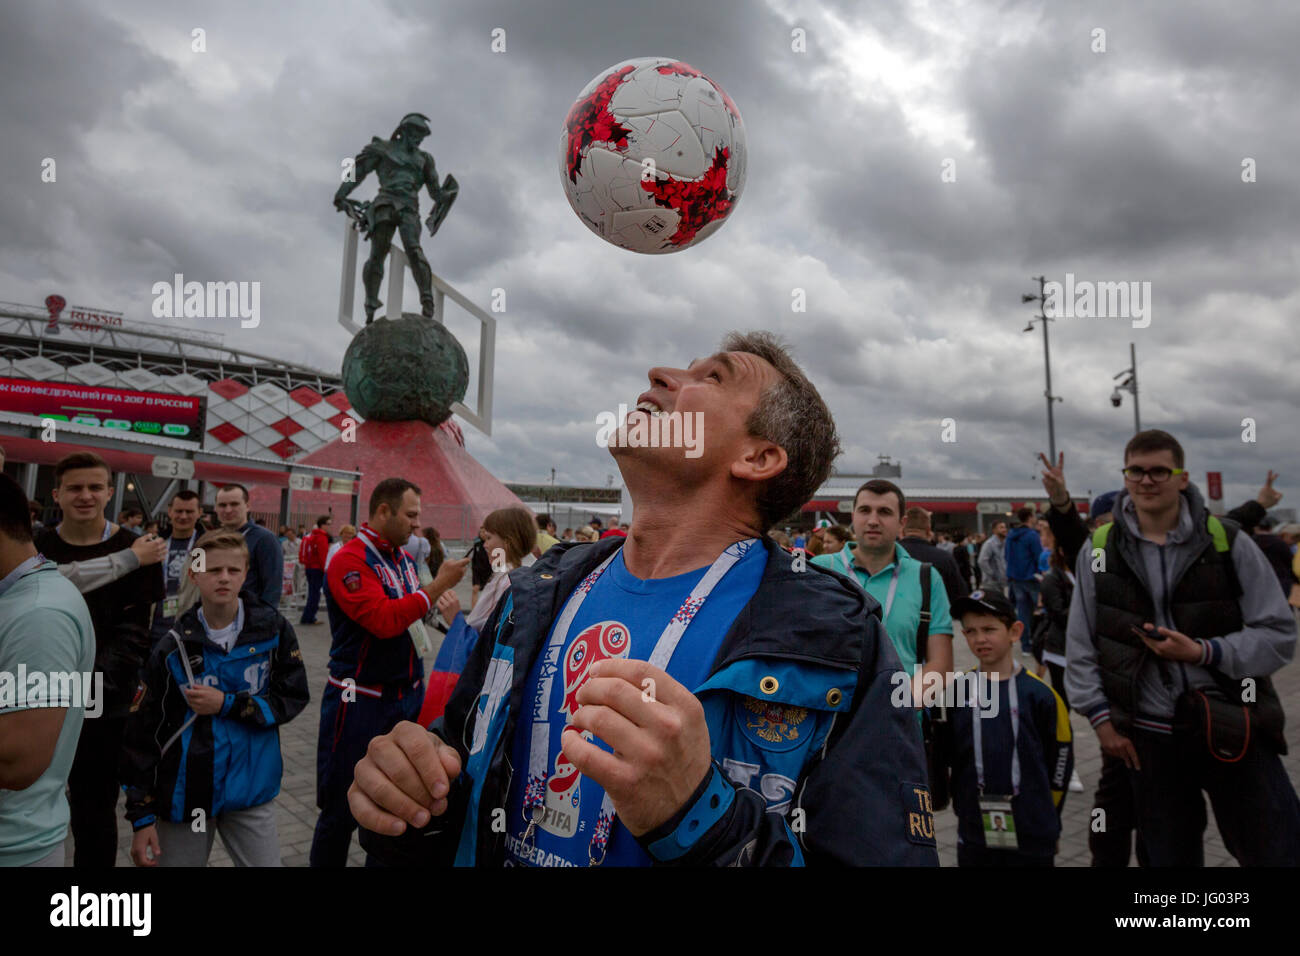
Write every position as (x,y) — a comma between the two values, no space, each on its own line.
(296,804)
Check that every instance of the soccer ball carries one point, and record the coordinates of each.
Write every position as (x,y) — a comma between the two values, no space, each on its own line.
(652,155)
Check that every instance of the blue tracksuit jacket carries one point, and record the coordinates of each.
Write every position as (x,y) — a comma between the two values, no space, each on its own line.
(228,761)
(851,788)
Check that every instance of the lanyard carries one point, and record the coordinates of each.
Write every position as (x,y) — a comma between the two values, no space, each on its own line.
(189,550)
(108,526)
(1015,736)
(419,636)
(893,583)
(539,748)
(401,579)
(13,577)
(893,589)
(189,675)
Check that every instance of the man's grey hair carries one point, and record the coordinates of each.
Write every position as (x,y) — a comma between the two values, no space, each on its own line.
(791,414)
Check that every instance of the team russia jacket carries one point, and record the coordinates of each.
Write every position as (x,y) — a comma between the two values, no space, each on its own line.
(370,608)
(808,653)
(230,761)
(315,546)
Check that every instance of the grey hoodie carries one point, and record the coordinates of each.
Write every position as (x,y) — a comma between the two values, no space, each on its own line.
(993,562)
(1265,643)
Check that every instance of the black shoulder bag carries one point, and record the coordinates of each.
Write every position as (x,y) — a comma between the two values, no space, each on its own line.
(934,721)
(1217,717)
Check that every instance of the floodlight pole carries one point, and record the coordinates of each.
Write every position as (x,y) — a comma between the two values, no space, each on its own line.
(1047,360)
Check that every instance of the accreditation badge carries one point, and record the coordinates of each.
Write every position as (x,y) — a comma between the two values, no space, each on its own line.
(170,606)
(999,824)
(420,637)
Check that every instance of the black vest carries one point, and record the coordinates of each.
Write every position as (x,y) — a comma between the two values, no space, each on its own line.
(1203,603)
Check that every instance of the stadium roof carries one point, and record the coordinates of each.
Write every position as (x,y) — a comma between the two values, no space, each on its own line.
(255,406)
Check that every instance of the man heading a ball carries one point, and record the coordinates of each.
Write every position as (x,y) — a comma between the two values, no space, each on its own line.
(690,694)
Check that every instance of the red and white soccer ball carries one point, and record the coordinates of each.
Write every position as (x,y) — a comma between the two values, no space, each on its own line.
(652,155)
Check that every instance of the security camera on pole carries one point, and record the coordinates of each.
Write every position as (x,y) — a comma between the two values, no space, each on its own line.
(1130,384)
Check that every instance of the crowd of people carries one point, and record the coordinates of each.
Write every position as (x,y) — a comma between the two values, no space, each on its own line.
(698,688)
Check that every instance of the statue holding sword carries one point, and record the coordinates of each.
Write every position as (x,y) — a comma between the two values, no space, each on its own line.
(402,169)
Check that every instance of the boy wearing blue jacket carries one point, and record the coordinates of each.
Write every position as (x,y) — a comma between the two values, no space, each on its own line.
(1010,751)
(202,746)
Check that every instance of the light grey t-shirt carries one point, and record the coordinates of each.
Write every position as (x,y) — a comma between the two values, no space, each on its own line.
(45,629)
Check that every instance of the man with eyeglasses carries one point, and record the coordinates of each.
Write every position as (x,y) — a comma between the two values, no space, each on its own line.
(1170,599)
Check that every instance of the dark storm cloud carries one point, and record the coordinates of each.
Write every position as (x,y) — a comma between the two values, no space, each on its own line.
(62,74)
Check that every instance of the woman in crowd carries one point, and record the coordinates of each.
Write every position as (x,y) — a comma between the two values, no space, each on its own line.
(289,547)
(437,554)
(509,536)
(346,534)
(835,538)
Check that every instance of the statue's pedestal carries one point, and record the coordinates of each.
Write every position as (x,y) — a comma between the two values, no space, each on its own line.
(458,492)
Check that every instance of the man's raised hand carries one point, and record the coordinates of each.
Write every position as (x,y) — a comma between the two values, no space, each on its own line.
(1054,480)
(657,730)
(404,778)
(1268,495)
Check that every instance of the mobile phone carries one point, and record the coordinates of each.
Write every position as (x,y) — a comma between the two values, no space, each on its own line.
(1153,635)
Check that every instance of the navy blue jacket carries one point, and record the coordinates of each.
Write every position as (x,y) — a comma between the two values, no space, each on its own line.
(230,761)
(1046,760)
(849,789)
(1022,549)
(265,563)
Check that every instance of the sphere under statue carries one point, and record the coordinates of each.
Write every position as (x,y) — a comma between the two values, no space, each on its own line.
(405,369)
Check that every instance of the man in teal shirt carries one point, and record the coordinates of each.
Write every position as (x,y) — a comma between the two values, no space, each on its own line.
(893,577)
(46,637)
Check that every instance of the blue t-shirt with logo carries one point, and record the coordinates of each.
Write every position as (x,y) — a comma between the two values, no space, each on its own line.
(622,617)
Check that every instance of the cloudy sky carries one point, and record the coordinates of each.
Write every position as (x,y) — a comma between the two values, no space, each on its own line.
(1122,165)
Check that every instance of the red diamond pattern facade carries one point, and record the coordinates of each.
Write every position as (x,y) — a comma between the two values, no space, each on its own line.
(225,433)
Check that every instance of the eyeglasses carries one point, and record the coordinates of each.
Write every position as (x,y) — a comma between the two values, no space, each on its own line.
(1158,474)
